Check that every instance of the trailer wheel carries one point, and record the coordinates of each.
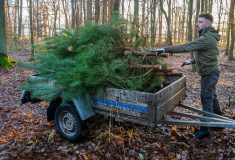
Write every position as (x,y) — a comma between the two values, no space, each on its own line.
(68,123)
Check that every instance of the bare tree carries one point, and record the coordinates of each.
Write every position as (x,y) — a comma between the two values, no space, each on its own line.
(232,28)
(116,8)
(197,13)
(160,27)
(97,11)
(31,29)
(219,14)
(169,35)
(89,10)
(20,18)
(65,13)
(105,9)
(153,21)
(3,48)
(210,6)
(202,5)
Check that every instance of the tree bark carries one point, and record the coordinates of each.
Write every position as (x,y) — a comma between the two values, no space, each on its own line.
(153,21)
(116,8)
(20,18)
(197,13)
(31,29)
(65,14)
(105,9)
(143,18)
(210,6)
(183,22)
(55,10)
(169,35)
(190,16)
(73,13)
(160,27)
(190,34)
(97,11)
(202,5)
(3,47)
(89,10)
(219,14)
(232,28)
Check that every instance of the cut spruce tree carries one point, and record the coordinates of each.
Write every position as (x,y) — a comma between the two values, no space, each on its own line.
(85,62)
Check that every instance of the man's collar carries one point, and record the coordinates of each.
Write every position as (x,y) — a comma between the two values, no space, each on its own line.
(203,31)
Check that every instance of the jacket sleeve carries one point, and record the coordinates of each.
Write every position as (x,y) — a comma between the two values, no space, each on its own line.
(198,44)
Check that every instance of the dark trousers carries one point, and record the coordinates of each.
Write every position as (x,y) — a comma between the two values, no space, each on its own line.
(209,99)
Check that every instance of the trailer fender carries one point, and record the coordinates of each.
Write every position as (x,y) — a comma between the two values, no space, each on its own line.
(83,110)
(52,108)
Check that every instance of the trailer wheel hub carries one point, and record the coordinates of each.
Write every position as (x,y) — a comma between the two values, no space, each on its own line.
(67,123)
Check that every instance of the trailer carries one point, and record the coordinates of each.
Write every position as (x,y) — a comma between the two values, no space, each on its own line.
(142,108)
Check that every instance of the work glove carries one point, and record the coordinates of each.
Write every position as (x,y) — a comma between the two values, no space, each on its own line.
(157,51)
(187,62)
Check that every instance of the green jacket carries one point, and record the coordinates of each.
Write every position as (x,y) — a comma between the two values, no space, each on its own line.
(206,45)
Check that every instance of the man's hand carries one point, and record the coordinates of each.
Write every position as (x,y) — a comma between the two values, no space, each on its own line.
(158,51)
(187,62)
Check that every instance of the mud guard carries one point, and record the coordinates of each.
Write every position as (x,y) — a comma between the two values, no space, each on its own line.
(83,110)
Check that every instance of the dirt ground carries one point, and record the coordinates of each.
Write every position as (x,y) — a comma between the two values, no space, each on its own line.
(26,134)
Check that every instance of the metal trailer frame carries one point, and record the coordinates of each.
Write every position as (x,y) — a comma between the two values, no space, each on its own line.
(207,119)
(143,108)
(151,109)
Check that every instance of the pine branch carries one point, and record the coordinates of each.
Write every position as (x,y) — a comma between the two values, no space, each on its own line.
(139,53)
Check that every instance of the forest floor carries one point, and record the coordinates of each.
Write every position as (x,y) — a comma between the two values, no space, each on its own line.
(26,134)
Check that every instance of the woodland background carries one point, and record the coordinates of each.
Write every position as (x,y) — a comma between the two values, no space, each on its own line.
(161,22)
(24,130)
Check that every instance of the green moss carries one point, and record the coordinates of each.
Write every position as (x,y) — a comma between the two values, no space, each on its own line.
(6,62)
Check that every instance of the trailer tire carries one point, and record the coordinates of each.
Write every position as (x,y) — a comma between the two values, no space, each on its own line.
(68,123)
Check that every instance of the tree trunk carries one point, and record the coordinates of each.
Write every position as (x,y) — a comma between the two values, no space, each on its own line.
(3,48)
(210,6)
(105,9)
(153,21)
(143,18)
(97,11)
(45,20)
(169,36)
(123,7)
(65,14)
(15,35)
(56,9)
(84,10)
(190,37)
(160,27)
(190,16)
(80,13)
(73,13)
(197,13)
(170,14)
(175,20)
(31,29)
(219,14)
(206,6)
(202,5)
(8,21)
(232,28)
(224,27)
(116,8)
(38,19)
(89,10)
(111,5)
(20,18)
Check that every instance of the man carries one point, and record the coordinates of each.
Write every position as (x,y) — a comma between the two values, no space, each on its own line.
(206,61)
